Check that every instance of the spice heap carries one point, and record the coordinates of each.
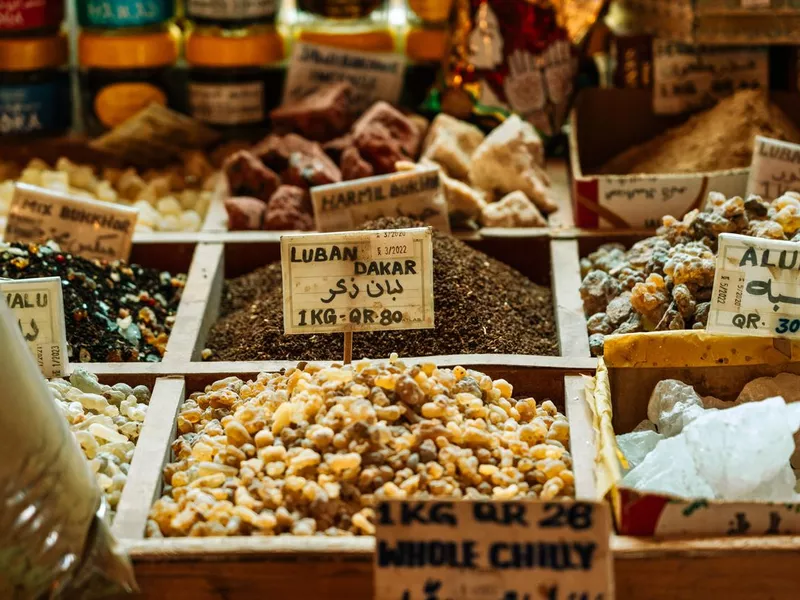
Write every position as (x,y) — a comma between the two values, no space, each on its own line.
(665,281)
(719,138)
(690,448)
(172,199)
(106,422)
(312,450)
(497,180)
(113,311)
(482,306)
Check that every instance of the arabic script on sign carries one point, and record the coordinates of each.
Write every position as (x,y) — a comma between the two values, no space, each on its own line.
(87,228)
(357,281)
(38,306)
(756,287)
(775,169)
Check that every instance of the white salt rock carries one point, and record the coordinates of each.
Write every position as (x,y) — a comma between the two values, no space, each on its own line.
(169,206)
(673,405)
(106,433)
(93,401)
(190,221)
(669,469)
(785,385)
(637,445)
(739,449)
(780,488)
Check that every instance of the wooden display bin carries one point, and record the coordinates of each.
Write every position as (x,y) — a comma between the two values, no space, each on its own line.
(688,549)
(222,256)
(296,567)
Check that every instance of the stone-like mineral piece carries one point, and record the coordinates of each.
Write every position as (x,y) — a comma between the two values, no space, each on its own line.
(669,469)
(673,405)
(321,115)
(511,158)
(637,445)
(513,210)
(451,142)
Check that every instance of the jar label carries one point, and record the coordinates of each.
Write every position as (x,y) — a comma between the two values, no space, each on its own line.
(124,13)
(118,102)
(227,104)
(18,15)
(35,107)
(230,9)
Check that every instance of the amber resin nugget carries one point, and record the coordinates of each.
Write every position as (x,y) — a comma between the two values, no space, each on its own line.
(311,451)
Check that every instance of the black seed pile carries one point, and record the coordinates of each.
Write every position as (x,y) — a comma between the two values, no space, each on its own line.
(481,307)
(97,294)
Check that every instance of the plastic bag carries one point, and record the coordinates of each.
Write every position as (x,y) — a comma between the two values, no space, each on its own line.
(54,538)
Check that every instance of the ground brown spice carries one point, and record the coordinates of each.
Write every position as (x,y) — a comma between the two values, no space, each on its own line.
(482,306)
(719,138)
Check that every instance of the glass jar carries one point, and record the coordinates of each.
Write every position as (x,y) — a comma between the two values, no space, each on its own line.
(429,11)
(123,73)
(40,17)
(234,78)
(121,14)
(426,46)
(361,25)
(232,14)
(34,87)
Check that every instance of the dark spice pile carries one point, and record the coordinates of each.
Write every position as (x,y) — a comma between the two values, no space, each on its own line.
(114,311)
(482,307)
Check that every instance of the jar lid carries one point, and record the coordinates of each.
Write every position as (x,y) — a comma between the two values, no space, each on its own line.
(130,51)
(368,41)
(30,54)
(426,44)
(211,47)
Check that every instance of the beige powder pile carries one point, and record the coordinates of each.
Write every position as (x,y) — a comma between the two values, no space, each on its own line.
(719,138)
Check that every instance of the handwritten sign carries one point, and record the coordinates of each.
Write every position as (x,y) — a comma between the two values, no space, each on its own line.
(374,75)
(756,287)
(38,306)
(775,169)
(87,228)
(155,135)
(493,551)
(687,77)
(357,281)
(415,194)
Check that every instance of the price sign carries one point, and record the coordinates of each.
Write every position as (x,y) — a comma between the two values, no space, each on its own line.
(357,281)
(775,169)
(374,75)
(415,194)
(465,550)
(756,287)
(38,307)
(687,77)
(87,228)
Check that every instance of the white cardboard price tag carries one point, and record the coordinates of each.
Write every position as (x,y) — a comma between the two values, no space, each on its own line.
(775,168)
(38,306)
(374,75)
(357,281)
(415,194)
(87,228)
(756,287)
(467,550)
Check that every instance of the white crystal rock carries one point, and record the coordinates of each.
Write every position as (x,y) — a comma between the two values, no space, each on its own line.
(785,385)
(673,405)
(669,469)
(739,449)
(781,488)
(637,445)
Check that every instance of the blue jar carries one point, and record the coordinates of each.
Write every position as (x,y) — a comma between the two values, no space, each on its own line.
(124,14)
(35,98)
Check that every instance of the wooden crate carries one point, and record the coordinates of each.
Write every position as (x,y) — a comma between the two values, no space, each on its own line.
(237,567)
(702,566)
(221,256)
